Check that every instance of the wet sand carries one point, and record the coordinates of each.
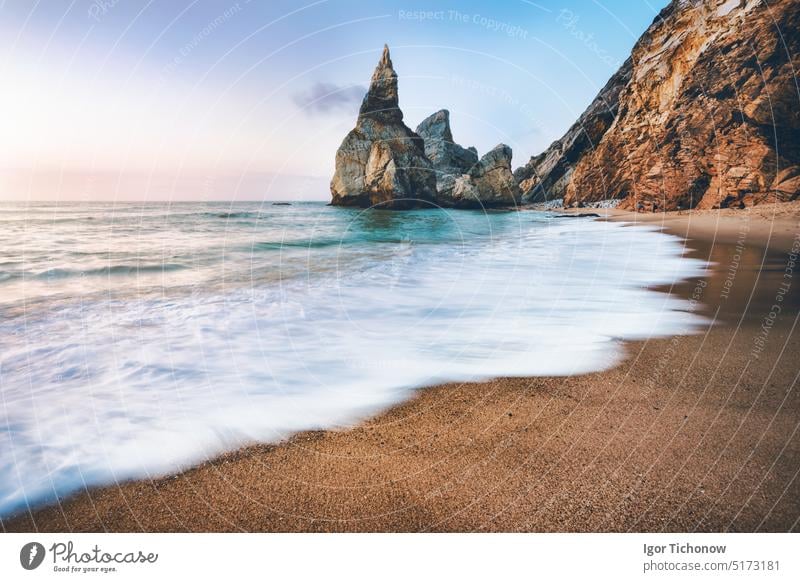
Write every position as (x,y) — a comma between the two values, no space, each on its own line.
(691,433)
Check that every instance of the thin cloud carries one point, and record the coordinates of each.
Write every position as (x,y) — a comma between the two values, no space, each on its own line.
(324,97)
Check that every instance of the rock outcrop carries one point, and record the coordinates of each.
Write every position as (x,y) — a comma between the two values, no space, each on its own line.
(449,159)
(493,180)
(546,176)
(462,180)
(381,162)
(708,115)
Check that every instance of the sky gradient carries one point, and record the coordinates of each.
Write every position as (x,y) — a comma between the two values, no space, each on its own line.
(182,100)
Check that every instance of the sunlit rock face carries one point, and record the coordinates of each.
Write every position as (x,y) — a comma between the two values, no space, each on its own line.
(546,176)
(705,114)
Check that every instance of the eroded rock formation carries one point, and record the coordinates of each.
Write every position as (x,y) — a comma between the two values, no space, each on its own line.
(708,115)
(493,180)
(381,162)
(449,159)
(463,180)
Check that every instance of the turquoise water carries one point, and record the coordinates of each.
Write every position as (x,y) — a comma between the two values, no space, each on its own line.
(140,339)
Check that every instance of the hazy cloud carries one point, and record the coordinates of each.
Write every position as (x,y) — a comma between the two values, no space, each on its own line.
(323,97)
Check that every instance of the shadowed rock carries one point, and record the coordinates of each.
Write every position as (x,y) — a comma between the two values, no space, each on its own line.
(448,157)
(382,102)
(450,160)
(462,180)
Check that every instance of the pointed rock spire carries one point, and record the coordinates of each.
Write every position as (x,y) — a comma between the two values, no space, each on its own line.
(381,101)
(381,162)
(436,127)
(386,59)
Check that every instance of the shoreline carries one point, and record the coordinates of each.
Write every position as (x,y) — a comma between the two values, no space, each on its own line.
(774,226)
(689,433)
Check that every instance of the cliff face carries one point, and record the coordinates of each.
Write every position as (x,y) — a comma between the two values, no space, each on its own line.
(381,161)
(708,115)
(547,175)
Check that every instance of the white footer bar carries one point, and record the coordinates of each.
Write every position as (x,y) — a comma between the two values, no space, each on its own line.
(378,557)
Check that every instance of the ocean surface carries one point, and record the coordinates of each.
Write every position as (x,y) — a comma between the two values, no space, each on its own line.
(139,339)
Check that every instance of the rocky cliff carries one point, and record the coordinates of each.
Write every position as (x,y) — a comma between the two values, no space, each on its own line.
(705,114)
(381,162)
(547,175)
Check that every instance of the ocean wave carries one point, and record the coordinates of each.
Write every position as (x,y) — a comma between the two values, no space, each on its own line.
(249,214)
(295,244)
(321,243)
(96,390)
(57,273)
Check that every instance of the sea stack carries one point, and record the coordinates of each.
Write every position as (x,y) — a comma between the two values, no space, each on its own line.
(449,159)
(451,162)
(462,180)
(382,162)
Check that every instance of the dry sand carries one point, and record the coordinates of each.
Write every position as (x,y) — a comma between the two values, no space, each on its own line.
(694,433)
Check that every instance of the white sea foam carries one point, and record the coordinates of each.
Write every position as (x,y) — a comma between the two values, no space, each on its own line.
(107,389)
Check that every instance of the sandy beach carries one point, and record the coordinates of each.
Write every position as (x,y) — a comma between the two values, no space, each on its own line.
(691,433)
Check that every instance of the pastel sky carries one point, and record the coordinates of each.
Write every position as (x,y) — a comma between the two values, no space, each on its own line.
(130,99)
